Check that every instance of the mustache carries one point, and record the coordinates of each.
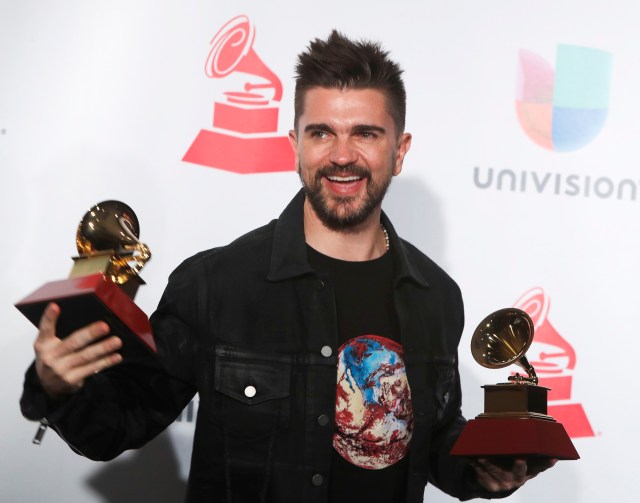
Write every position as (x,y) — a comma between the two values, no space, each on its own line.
(348,170)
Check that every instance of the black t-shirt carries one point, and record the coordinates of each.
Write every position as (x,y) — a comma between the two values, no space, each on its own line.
(374,417)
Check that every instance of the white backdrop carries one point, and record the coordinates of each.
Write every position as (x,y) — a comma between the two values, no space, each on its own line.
(101,100)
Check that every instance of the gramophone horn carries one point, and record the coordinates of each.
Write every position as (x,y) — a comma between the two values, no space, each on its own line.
(502,339)
(109,225)
(112,226)
(231,50)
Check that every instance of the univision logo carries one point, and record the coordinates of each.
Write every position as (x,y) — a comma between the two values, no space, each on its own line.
(565,109)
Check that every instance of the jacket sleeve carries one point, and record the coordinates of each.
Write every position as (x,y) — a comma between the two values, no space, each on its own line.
(126,406)
(453,474)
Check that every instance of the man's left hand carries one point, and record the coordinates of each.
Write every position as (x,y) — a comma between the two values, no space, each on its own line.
(508,474)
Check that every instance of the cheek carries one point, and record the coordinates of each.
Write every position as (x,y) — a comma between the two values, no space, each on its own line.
(309,163)
(312,157)
(380,160)
(305,174)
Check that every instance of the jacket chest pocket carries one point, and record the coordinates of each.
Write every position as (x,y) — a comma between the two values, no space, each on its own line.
(251,393)
(434,387)
(446,396)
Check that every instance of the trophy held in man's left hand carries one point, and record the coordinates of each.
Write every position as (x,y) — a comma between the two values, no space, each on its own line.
(515,422)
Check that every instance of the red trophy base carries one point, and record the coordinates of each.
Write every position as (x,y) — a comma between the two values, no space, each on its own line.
(514,437)
(86,299)
(241,154)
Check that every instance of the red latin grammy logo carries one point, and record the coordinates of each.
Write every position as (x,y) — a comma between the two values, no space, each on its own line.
(554,360)
(245,121)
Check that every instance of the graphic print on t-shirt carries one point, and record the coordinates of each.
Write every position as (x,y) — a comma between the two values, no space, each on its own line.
(374,414)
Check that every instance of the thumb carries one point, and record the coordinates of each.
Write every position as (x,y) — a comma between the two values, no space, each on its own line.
(47,326)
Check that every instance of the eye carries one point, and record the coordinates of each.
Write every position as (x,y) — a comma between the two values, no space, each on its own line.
(318,134)
(367,133)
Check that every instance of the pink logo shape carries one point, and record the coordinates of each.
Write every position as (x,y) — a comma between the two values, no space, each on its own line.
(565,108)
(242,138)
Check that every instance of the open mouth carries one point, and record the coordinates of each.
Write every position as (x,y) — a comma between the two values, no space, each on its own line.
(344,179)
(344,185)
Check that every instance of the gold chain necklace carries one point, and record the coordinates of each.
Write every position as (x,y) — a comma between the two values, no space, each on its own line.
(386,236)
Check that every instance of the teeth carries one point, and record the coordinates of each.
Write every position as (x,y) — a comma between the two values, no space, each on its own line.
(343,178)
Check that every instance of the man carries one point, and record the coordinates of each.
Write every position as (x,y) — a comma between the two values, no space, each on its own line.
(260,327)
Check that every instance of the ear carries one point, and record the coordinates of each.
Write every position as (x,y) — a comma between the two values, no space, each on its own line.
(404,142)
(293,140)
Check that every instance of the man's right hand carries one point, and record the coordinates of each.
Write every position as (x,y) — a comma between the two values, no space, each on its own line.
(63,365)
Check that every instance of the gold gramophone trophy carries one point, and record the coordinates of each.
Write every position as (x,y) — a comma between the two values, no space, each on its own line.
(103,281)
(515,420)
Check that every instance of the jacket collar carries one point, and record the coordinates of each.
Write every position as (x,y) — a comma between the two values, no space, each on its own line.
(289,251)
(404,263)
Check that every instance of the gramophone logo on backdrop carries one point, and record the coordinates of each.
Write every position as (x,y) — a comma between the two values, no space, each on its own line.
(554,360)
(243,136)
(566,109)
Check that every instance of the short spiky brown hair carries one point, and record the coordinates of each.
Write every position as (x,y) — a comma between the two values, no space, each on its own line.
(340,63)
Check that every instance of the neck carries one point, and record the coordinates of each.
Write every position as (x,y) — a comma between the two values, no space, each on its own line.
(355,244)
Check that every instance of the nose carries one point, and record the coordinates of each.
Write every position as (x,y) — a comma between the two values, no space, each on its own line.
(343,152)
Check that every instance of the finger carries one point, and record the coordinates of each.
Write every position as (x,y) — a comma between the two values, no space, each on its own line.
(539,466)
(484,478)
(496,476)
(47,325)
(506,467)
(86,336)
(519,470)
(79,374)
(47,343)
(80,339)
(89,356)
(60,376)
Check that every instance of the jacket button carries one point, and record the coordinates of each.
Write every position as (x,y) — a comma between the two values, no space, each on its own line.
(317,479)
(250,391)
(326,351)
(323,420)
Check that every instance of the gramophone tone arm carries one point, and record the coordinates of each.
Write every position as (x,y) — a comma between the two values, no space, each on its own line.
(140,260)
(143,250)
(528,368)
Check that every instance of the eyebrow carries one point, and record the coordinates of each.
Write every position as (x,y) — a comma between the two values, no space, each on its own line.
(363,128)
(318,127)
(359,128)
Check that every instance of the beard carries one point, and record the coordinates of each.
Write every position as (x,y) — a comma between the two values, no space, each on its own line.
(340,213)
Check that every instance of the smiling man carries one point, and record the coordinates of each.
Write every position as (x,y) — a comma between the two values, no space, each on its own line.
(323,347)
(348,150)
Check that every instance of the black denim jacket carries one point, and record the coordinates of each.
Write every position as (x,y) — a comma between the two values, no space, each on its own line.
(251,328)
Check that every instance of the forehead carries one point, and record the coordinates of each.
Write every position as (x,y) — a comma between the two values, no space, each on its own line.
(345,107)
